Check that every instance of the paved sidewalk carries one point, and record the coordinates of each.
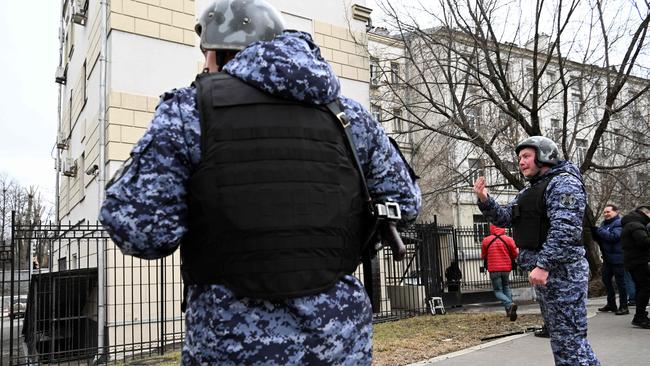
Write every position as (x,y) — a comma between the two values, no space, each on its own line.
(613,338)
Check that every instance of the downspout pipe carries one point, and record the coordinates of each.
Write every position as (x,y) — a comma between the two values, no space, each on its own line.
(102,355)
(57,193)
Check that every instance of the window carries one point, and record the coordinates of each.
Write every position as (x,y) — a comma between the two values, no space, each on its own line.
(598,86)
(642,180)
(576,85)
(530,74)
(62,264)
(69,41)
(513,126)
(375,111)
(513,168)
(398,121)
(635,112)
(576,107)
(476,169)
(617,141)
(83,85)
(581,150)
(473,115)
(394,72)
(555,123)
(375,72)
(551,77)
(82,174)
(70,112)
(555,131)
(481,228)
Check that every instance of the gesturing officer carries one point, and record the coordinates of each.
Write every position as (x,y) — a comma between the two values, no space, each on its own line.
(253,177)
(547,219)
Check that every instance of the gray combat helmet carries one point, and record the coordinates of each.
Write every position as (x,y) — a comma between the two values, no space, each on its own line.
(234,24)
(546,151)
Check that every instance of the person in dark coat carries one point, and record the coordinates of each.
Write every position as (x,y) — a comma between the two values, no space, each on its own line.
(636,255)
(608,236)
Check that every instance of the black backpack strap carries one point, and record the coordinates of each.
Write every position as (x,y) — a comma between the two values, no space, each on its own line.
(383,216)
(408,166)
(496,236)
(335,108)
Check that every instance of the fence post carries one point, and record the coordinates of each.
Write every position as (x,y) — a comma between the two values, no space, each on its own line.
(13,281)
(162,306)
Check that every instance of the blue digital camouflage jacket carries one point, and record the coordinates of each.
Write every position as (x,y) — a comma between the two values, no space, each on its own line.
(145,213)
(565,206)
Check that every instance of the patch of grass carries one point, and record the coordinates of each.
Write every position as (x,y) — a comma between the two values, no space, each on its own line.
(168,359)
(423,337)
(419,338)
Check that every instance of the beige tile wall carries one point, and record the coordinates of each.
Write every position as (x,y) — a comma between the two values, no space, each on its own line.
(170,20)
(63,198)
(133,298)
(346,52)
(128,117)
(78,100)
(92,52)
(91,146)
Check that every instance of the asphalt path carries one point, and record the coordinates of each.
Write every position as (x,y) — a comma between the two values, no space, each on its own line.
(613,338)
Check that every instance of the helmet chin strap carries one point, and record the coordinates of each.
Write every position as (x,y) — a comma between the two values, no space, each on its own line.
(221,59)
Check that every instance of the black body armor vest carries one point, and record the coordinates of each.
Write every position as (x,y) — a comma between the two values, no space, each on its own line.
(530,223)
(275,206)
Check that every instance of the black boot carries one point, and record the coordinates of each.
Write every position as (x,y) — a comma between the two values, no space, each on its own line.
(512,312)
(608,307)
(622,311)
(543,332)
(641,321)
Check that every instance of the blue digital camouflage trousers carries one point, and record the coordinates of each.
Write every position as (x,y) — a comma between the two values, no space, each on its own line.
(564,310)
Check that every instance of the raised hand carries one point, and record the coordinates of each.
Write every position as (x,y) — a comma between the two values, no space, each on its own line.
(480,189)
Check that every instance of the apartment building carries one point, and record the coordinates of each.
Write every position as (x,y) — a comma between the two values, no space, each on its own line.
(433,92)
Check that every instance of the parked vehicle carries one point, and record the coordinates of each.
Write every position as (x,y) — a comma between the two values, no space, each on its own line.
(18,308)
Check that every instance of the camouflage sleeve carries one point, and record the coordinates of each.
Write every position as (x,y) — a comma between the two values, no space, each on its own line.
(499,215)
(145,211)
(565,207)
(386,173)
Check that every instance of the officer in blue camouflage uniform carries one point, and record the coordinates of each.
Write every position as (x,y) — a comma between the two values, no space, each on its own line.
(547,219)
(146,210)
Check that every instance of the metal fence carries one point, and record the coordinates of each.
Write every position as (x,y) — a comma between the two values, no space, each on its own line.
(441,261)
(82,300)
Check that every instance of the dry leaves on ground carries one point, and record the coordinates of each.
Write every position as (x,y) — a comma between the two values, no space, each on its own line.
(423,337)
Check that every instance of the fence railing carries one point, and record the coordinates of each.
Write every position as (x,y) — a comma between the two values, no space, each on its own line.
(53,276)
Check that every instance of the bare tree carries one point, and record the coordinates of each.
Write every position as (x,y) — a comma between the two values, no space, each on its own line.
(481,75)
(30,210)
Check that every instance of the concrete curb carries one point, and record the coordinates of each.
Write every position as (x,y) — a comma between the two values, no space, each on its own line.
(467,350)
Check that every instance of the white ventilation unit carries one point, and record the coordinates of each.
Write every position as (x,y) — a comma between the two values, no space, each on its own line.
(61,141)
(60,76)
(69,167)
(79,11)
